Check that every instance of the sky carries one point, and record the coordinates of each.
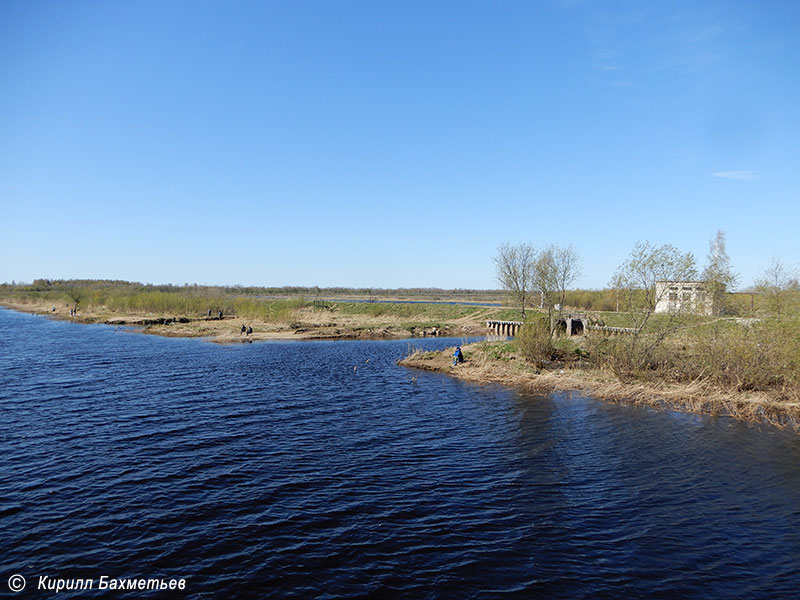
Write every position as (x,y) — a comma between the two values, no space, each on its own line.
(391,144)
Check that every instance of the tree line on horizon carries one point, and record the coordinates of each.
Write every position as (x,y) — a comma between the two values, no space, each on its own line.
(529,277)
(46,285)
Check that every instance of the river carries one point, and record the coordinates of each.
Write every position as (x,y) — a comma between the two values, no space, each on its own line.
(322,469)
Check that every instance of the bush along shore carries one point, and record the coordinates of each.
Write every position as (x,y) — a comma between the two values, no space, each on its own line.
(746,370)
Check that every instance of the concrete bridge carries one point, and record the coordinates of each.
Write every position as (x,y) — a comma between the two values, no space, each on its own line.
(568,324)
(579,323)
(572,324)
(509,328)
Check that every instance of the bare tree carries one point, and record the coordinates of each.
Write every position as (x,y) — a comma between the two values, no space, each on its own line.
(647,264)
(617,285)
(556,269)
(718,275)
(636,278)
(515,268)
(774,282)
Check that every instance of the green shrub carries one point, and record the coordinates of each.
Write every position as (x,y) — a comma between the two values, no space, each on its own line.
(759,356)
(613,352)
(533,339)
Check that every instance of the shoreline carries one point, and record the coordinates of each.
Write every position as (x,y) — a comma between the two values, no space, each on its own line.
(228,329)
(694,397)
(480,366)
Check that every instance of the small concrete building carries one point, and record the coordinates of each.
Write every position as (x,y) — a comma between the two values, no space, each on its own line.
(683,296)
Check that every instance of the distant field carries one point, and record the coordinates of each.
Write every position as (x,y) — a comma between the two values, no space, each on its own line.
(277,303)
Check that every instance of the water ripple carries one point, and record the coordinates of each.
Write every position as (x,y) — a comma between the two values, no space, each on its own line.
(277,470)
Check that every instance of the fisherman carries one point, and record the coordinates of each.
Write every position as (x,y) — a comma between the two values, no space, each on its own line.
(458,357)
(249,330)
(244,328)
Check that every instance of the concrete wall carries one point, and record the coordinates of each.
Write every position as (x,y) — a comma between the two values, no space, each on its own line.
(683,296)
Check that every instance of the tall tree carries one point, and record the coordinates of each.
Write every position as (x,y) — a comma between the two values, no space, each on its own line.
(718,275)
(515,268)
(556,269)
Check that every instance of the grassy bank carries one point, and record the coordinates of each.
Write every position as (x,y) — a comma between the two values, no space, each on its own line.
(716,368)
(193,311)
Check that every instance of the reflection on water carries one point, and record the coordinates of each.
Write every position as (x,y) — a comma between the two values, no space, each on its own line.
(312,468)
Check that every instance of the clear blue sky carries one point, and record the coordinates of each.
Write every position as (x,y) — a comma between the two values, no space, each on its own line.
(390,144)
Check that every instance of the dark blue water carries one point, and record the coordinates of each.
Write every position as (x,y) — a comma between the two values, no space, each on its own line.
(278,470)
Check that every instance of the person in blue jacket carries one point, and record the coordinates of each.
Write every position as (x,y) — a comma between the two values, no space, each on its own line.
(458,357)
